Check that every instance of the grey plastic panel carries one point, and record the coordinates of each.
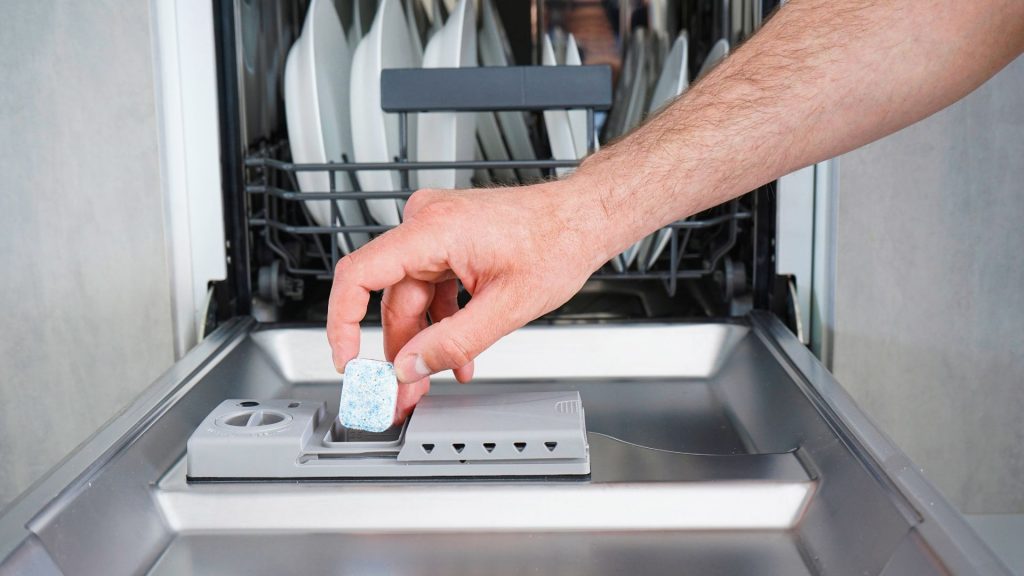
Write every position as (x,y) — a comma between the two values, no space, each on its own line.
(503,434)
(226,445)
(496,88)
(521,427)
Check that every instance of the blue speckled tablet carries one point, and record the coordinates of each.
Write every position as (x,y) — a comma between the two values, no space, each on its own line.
(368,395)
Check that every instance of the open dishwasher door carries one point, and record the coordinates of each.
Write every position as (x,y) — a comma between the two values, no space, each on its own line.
(715,448)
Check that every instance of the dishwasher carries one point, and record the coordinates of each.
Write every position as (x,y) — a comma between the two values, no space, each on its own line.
(694,434)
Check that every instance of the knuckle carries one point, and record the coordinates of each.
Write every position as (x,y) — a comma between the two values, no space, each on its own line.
(432,211)
(386,300)
(346,267)
(388,307)
(419,199)
(442,205)
(455,352)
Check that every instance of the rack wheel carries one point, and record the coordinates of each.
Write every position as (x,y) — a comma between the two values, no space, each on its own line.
(275,286)
(732,278)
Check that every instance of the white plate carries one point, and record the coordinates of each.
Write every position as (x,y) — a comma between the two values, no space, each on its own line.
(481,177)
(362,13)
(717,53)
(559,38)
(418,23)
(436,18)
(448,136)
(659,46)
(673,81)
(417,44)
(557,121)
(627,105)
(316,84)
(675,76)
(493,147)
(641,45)
(624,109)
(374,133)
(639,83)
(577,118)
(652,246)
(495,51)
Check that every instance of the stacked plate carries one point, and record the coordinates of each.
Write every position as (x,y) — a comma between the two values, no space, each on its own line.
(446,136)
(652,76)
(316,94)
(332,102)
(503,135)
(388,44)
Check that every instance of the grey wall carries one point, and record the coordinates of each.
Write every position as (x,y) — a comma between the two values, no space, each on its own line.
(83,274)
(930,292)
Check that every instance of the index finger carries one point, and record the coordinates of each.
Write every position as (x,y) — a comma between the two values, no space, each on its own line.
(383,262)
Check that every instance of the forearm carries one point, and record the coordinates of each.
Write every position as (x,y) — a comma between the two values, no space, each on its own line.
(821,78)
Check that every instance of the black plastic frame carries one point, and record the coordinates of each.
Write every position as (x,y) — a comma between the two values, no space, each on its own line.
(234,296)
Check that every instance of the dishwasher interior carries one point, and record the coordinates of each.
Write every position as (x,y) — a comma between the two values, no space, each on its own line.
(716,442)
(715,264)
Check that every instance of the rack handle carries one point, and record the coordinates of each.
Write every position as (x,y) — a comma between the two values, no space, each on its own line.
(496,88)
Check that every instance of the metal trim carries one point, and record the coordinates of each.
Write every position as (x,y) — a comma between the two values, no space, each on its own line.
(65,479)
(943,528)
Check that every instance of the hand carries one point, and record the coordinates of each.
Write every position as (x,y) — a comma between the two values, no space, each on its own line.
(520,252)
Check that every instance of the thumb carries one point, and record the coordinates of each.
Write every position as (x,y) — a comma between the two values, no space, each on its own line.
(456,340)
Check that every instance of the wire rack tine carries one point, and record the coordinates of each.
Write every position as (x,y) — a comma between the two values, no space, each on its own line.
(695,247)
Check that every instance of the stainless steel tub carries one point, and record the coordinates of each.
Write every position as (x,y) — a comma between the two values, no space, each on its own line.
(720,448)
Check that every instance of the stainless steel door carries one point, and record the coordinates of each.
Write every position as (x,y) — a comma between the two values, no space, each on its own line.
(756,462)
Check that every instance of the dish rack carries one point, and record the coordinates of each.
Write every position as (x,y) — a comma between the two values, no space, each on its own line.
(297,250)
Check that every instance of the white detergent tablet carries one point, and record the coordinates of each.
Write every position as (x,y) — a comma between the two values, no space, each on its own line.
(369,394)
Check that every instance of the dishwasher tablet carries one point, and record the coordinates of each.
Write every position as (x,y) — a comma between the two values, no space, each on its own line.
(369,394)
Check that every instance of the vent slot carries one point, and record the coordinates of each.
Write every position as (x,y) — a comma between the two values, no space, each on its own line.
(458,448)
(489,446)
(551,446)
(428,448)
(520,446)
(567,407)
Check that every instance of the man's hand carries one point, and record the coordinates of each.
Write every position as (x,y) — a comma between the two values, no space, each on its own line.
(520,252)
(821,78)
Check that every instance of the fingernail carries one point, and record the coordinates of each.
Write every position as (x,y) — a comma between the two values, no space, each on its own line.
(411,368)
(400,416)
